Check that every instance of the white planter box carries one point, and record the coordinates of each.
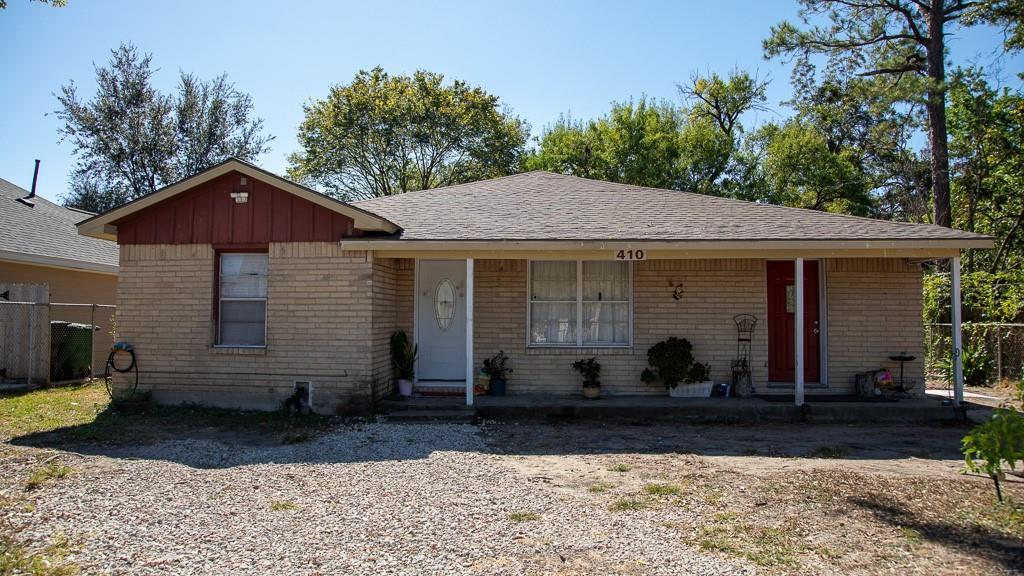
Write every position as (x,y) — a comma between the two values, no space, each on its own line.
(698,390)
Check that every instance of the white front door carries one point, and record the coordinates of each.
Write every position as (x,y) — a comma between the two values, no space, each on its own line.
(441,320)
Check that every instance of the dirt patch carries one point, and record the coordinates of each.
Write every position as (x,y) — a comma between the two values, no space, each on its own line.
(789,498)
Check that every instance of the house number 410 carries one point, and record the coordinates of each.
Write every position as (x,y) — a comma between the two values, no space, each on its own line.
(630,255)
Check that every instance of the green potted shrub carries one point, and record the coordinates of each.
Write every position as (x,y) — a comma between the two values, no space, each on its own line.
(496,369)
(403,361)
(671,361)
(590,370)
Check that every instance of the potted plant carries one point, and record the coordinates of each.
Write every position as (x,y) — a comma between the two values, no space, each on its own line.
(495,367)
(671,361)
(403,361)
(590,370)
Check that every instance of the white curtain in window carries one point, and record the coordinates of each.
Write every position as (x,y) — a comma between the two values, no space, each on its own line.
(553,303)
(605,302)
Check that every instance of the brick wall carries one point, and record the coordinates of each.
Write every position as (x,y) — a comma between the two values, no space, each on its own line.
(330,314)
(713,292)
(319,320)
(874,311)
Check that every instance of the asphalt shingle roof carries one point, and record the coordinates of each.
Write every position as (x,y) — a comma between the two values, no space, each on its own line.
(47,229)
(546,206)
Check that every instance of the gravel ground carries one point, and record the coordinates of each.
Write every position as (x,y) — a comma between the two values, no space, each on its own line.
(376,498)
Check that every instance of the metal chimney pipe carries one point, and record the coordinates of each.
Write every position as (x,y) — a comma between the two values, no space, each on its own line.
(35,177)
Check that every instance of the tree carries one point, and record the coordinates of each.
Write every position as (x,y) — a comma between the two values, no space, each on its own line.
(54,3)
(656,144)
(382,135)
(987,131)
(131,140)
(899,39)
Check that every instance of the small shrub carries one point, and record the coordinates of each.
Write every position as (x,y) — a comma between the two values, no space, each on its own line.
(991,444)
(655,489)
(523,516)
(495,367)
(599,487)
(590,370)
(622,468)
(625,504)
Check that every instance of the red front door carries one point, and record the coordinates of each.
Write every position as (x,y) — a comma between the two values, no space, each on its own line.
(782,320)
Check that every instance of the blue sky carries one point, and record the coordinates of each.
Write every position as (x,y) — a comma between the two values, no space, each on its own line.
(542,58)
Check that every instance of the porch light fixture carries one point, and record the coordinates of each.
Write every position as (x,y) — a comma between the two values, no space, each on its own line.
(240,197)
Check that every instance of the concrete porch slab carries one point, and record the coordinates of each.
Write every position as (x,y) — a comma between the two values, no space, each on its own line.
(710,410)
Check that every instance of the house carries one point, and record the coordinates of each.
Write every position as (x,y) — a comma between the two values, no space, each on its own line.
(238,286)
(39,245)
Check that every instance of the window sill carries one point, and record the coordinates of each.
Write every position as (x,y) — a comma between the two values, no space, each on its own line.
(579,350)
(239,350)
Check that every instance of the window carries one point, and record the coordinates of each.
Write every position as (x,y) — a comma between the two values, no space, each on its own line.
(243,300)
(580,303)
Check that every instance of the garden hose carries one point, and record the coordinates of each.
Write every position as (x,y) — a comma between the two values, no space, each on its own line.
(112,366)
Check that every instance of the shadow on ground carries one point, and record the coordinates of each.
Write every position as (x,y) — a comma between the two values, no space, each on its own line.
(164,432)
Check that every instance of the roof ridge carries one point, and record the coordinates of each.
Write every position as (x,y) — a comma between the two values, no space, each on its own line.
(727,200)
(459,185)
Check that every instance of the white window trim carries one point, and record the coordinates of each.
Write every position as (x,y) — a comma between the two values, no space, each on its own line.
(222,299)
(579,308)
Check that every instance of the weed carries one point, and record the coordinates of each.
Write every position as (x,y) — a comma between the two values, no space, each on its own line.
(655,489)
(622,468)
(624,504)
(911,535)
(52,471)
(282,505)
(523,516)
(599,487)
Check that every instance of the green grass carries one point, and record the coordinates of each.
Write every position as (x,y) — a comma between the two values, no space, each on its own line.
(656,489)
(49,409)
(523,516)
(83,414)
(622,468)
(52,471)
(599,487)
(17,559)
(626,504)
(911,535)
(283,505)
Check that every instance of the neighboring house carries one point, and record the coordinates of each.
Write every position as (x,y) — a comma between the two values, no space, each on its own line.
(235,284)
(39,244)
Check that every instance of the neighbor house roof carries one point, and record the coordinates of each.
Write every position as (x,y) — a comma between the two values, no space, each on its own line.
(44,233)
(104,225)
(543,206)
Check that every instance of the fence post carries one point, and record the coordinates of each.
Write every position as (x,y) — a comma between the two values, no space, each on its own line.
(92,341)
(999,356)
(31,344)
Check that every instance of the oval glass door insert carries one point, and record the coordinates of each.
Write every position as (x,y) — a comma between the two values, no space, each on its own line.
(444,304)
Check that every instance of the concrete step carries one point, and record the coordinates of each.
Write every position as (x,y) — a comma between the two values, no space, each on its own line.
(431,416)
(425,403)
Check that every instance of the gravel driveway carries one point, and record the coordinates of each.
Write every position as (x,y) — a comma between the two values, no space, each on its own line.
(374,498)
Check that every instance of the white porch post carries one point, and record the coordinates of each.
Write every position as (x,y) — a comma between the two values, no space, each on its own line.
(958,362)
(469,331)
(798,328)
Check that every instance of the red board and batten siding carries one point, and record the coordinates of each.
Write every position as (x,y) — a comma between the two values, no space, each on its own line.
(208,214)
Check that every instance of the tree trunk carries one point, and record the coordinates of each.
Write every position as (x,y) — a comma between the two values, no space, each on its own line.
(936,107)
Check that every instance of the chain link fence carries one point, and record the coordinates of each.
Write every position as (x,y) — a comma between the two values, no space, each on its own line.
(45,343)
(992,352)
